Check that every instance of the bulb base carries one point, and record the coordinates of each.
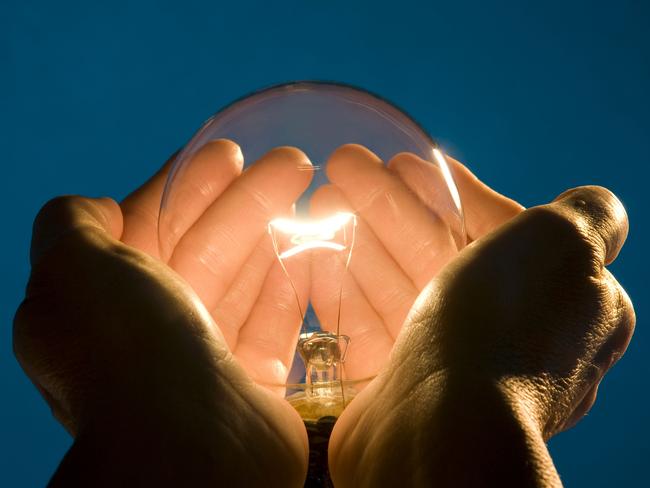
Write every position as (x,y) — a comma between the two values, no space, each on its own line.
(319,414)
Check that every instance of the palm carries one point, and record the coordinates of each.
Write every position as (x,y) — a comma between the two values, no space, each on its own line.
(402,240)
(219,246)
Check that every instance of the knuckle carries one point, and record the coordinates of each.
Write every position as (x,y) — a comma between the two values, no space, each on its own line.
(560,225)
(21,321)
(60,255)
(57,208)
(25,333)
(58,216)
(568,236)
(618,321)
(626,313)
(63,222)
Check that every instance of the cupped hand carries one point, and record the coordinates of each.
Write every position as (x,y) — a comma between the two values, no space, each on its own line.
(137,357)
(503,349)
(407,230)
(214,235)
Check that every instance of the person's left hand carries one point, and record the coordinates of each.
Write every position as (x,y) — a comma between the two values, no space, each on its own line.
(214,235)
(146,371)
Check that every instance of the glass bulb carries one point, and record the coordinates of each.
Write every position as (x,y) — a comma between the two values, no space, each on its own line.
(353,246)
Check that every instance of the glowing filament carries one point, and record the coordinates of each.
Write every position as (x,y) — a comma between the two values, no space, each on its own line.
(310,234)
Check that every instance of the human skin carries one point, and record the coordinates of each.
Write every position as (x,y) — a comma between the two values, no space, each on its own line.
(125,348)
(403,238)
(113,337)
(503,349)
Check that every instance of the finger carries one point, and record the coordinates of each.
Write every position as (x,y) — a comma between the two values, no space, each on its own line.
(484,209)
(63,215)
(370,341)
(213,250)
(601,216)
(140,210)
(427,181)
(196,186)
(419,241)
(342,307)
(266,342)
(234,308)
(370,264)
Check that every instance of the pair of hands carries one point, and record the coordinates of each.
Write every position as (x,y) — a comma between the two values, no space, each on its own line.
(141,353)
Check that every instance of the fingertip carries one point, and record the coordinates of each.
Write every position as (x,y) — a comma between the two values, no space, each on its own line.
(222,149)
(405,159)
(347,155)
(603,212)
(484,208)
(347,151)
(287,161)
(294,156)
(468,184)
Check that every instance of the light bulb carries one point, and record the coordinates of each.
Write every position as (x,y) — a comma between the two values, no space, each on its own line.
(310,267)
(323,353)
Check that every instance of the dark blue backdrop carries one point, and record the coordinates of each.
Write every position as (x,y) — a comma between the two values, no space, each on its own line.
(535,98)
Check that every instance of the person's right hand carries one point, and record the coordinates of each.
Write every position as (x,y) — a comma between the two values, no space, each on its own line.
(139,366)
(504,348)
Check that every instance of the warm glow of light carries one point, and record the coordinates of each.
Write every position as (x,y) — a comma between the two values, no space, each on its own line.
(311,234)
(446,173)
(310,245)
(327,226)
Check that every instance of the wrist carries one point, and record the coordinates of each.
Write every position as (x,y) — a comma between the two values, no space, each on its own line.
(442,430)
(497,429)
(130,443)
(227,433)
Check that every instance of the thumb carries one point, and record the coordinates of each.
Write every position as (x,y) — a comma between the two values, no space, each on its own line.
(66,214)
(601,216)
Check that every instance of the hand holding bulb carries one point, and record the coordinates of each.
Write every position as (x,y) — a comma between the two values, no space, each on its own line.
(133,360)
(503,349)
(151,376)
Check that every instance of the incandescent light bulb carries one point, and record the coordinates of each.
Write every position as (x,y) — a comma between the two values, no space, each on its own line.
(322,252)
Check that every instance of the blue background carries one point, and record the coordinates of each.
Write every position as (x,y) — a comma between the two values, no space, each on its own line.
(535,97)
